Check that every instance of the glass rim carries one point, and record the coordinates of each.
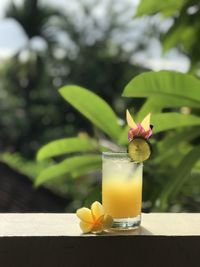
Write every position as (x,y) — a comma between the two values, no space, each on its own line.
(111,153)
(119,156)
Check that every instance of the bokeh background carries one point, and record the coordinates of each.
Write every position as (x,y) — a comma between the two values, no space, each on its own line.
(99,45)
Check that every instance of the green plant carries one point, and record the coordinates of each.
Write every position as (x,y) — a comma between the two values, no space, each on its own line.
(26,167)
(175,156)
(29,80)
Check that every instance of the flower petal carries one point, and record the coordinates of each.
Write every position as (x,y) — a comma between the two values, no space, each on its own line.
(130,120)
(100,219)
(85,227)
(108,221)
(133,132)
(148,133)
(98,228)
(97,210)
(146,122)
(85,215)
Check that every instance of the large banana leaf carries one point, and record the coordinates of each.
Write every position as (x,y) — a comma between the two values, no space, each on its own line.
(164,83)
(66,167)
(66,145)
(92,107)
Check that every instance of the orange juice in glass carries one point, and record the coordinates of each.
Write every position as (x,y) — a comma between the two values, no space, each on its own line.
(122,189)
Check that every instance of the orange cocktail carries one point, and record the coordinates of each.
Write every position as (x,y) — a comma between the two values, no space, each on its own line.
(122,189)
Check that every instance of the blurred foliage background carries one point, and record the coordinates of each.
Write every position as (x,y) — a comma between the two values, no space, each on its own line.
(101,46)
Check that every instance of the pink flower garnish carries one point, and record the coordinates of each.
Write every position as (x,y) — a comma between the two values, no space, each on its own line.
(142,129)
(139,131)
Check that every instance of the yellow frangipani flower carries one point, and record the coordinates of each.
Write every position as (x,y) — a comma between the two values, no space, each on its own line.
(94,220)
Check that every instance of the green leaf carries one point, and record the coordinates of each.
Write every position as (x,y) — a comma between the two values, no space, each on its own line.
(168,7)
(172,157)
(172,120)
(185,135)
(92,107)
(26,167)
(123,138)
(92,167)
(192,186)
(173,142)
(165,121)
(164,83)
(150,105)
(157,103)
(66,167)
(182,32)
(66,145)
(179,177)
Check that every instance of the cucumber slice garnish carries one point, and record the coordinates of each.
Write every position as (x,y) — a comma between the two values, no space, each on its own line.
(139,149)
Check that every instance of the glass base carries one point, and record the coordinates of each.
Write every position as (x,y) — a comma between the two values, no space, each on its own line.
(126,223)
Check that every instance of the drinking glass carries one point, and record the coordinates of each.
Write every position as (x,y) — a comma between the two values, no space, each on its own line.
(122,189)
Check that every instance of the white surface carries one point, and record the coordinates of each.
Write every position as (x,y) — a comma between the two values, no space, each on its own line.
(44,224)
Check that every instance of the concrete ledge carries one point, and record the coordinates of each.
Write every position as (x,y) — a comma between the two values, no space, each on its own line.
(28,240)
